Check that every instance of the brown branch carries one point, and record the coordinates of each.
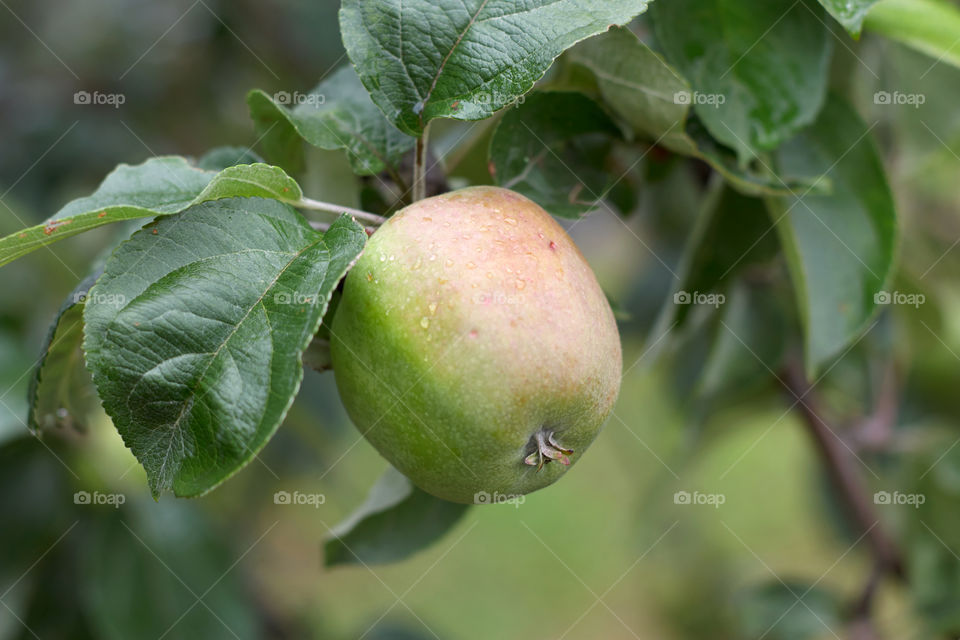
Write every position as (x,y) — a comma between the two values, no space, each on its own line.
(841,466)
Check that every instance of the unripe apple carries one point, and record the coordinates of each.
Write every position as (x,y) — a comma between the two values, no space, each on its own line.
(473,346)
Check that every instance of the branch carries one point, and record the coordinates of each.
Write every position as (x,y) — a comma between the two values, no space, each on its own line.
(861,626)
(325,226)
(842,468)
(308,203)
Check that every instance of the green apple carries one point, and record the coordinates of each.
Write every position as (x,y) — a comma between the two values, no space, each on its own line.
(473,346)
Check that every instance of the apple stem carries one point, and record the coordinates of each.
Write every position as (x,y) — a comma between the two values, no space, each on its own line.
(547,449)
(419,167)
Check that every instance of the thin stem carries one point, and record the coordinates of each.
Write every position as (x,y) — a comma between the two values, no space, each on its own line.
(419,167)
(309,203)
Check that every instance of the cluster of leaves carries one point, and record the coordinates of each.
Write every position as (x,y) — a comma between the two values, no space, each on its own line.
(229,280)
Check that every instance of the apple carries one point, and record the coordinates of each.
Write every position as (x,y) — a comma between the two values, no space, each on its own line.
(473,346)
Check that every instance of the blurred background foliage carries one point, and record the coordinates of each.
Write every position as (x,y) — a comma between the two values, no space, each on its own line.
(607,552)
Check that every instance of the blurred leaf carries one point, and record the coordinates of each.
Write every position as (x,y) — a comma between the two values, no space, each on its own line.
(337,114)
(396,521)
(159,571)
(159,186)
(552,149)
(464,59)
(61,391)
(749,344)
(773,611)
(935,584)
(839,247)
(758,70)
(16,361)
(930,26)
(36,498)
(220,158)
(653,98)
(933,534)
(733,234)
(849,13)
(233,295)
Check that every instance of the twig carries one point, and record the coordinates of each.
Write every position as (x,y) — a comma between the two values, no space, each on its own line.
(841,466)
(861,625)
(325,226)
(308,203)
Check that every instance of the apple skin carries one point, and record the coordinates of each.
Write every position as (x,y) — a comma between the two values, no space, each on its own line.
(470,323)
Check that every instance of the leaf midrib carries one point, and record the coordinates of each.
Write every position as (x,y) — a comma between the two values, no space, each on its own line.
(443,64)
(175,425)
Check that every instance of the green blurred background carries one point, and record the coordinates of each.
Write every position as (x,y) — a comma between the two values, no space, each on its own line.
(606,553)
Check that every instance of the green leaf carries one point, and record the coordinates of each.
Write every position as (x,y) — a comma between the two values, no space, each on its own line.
(749,343)
(642,89)
(839,247)
(220,158)
(396,521)
(552,149)
(758,70)
(931,478)
(61,392)
(200,360)
(733,233)
(159,186)
(144,568)
(930,26)
(337,114)
(464,59)
(849,13)
(788,611)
